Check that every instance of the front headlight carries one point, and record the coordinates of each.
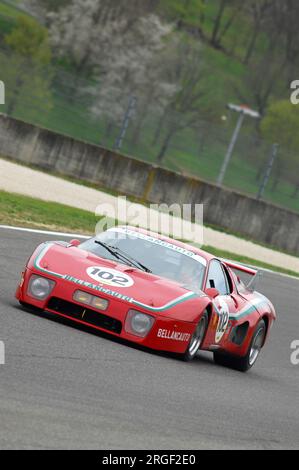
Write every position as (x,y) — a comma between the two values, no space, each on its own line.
(40,287)
(138,324)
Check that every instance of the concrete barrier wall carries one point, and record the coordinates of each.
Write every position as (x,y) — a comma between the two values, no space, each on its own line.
(230,210)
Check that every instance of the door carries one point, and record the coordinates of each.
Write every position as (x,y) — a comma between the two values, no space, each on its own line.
(226,304)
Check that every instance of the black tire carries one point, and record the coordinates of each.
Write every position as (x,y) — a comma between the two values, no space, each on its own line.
(197,338)
(243,364)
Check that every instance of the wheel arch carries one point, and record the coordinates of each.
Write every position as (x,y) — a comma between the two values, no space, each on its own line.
(209,309)
(266,319)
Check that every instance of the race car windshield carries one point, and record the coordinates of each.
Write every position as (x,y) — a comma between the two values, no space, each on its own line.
(163,259)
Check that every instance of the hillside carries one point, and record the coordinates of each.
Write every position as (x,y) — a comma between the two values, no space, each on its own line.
(235,66)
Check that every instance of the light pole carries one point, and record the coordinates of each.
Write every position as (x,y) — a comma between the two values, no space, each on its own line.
(243,111)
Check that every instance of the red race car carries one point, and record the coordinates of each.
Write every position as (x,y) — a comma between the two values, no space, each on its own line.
(151,290)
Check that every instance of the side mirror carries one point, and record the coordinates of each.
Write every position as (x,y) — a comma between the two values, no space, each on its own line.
(75,242)
(212,292)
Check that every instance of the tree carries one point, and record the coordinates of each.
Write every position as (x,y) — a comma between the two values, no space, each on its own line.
(29,40)
(130,67)
(40,8)
(25,66)
(79,32)
(185,107)
(264,79)
(259,11)
(228,11)
(185,13)
(281,125)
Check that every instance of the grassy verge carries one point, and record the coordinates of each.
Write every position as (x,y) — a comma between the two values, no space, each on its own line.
(29,212)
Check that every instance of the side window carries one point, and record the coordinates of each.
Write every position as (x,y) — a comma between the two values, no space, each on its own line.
(217,278)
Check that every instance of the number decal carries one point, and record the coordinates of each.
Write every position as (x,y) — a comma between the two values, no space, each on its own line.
(223,320)
(109,276)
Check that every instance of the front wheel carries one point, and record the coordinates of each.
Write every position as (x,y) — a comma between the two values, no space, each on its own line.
(197,338)
(244,363)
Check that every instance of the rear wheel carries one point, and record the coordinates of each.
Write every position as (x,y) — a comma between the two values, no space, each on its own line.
(244,363)
(197,338)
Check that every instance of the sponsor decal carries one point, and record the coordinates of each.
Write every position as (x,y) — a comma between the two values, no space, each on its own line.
(98,288)
(157,241)
(110,277)
(174,335)
(223,320)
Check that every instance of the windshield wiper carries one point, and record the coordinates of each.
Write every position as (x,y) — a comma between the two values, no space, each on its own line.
(120,254)
(108,248)
(131,259)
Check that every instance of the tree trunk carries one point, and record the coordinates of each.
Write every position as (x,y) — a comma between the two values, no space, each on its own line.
(296,191)
(260,172)
(159,129)
(214,38)
(275,184)
(108,129)
(165,145)
(136,132)
(11,106)
(228,24)
(252,44)
(14,99)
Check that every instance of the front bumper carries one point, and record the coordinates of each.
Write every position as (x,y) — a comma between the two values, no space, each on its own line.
(166,333)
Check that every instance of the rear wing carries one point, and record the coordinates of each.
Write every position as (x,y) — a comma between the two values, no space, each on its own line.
(255,273)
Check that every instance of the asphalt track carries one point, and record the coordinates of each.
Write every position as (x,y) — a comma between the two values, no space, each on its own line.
(64,388)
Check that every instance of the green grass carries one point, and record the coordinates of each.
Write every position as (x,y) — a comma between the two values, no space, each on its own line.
(8,16)
(29,212)
(8,10)
(24,211)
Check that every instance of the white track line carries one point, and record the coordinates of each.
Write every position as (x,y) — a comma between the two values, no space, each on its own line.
(43,232)
(75,235)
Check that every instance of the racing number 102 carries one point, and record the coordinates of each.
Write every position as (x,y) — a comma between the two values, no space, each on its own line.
(107,276)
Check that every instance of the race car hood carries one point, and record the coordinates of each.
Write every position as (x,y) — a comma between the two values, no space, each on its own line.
(121,281)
